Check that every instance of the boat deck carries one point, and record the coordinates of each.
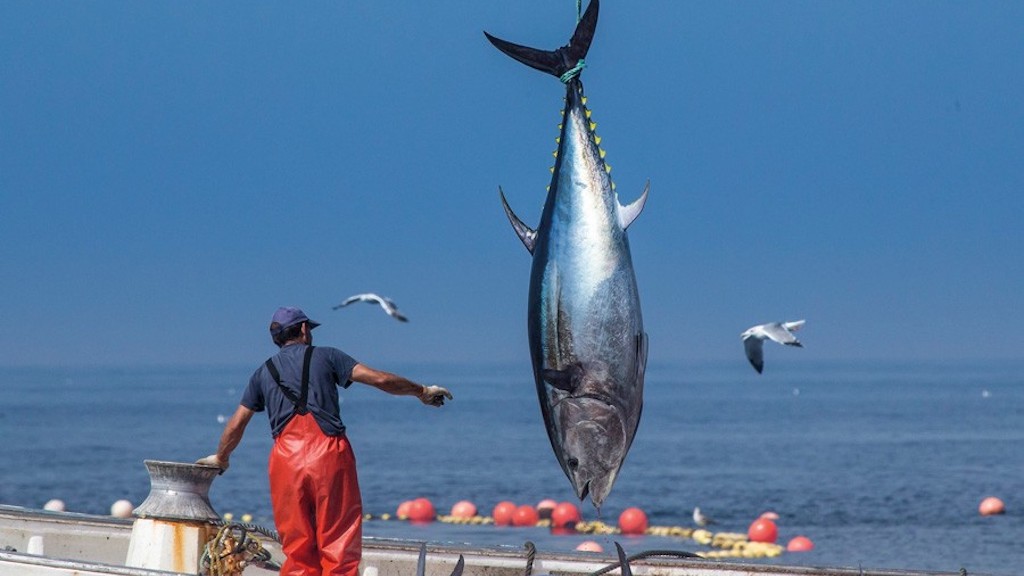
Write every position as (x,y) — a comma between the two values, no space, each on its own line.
(67,544)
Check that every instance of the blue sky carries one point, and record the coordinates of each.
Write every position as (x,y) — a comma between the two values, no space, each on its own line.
(171,172)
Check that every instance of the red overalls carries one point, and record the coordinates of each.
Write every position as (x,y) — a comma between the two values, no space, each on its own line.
(314,492)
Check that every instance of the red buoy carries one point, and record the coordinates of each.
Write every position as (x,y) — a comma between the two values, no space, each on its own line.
(503,513)
(800,544)
(589,546)
(991,506)
(633,521)
(546,507)
(421,510)
(763,530)
(464,509)
(403,509)
(565,515)
(525,515)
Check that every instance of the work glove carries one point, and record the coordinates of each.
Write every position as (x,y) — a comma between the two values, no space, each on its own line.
(212,460)
(434,395)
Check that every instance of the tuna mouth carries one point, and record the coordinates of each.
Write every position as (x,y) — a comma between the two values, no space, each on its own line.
(586,490)
(583,490)
(602,398)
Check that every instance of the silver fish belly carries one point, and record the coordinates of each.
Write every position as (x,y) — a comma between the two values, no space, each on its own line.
(587,342)
(586,332)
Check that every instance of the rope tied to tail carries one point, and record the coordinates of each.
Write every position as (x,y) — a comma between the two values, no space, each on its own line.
(573,72)
(581,64)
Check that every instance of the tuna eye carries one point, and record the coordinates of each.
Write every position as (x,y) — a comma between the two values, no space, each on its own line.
(574,463)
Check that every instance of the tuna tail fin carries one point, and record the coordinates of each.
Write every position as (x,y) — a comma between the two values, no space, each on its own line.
(555,62)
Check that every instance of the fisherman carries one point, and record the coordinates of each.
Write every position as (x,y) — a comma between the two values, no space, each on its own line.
(313,486)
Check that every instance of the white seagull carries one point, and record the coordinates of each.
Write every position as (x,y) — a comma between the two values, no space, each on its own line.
(781,332)
(372,298)
(700,519)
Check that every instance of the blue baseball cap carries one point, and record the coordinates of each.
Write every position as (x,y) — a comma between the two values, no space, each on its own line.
(287,316)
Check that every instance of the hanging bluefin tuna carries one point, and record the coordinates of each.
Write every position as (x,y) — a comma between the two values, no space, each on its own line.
(586,334)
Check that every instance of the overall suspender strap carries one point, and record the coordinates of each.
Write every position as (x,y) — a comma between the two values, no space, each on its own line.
(300,402)
(304,392)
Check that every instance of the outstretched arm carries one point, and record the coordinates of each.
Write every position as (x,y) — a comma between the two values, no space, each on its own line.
(399,386)
(229,439)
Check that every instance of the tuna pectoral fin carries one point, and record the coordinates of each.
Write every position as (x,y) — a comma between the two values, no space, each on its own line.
(629,213)
(641,356)
(556,62)
(526,234)
(566,379)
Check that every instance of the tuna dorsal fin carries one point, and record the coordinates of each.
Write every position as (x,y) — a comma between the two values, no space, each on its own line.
(555,62)
(629,213)
(526,234)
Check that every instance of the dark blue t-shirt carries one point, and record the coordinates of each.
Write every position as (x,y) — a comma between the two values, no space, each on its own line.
(328,369)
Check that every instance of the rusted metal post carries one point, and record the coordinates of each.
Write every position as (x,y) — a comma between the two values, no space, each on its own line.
(176,520)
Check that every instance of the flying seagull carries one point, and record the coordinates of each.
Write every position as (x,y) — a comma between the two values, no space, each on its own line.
(385,303)
(781,332)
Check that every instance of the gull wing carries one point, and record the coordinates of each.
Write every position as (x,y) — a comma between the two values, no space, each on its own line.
(391,308)
(793,326)
(755,354)
(355,298)
(780,334)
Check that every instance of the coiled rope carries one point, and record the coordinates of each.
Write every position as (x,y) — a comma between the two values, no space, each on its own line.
(268,532)
(227,555)
(531,553)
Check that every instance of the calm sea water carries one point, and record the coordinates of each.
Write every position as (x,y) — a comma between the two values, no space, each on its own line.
(881,466)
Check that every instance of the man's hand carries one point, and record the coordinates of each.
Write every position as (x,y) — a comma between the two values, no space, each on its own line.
(434,395)
(212,460)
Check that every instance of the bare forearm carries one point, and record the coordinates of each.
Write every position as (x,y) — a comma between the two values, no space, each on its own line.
(233,432)
(397,385)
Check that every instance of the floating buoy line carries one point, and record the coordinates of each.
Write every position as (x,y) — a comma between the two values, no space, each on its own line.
(565,519)
(724,544)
